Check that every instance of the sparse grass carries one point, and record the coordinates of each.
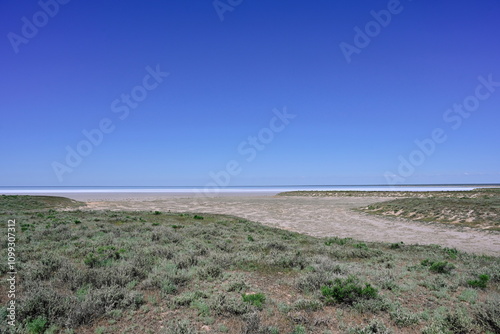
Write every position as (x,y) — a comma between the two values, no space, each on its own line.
(134,272)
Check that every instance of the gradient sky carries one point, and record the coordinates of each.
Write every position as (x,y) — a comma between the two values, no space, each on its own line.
(354,121)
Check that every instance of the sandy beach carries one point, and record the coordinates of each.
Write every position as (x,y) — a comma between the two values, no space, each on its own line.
(321,217)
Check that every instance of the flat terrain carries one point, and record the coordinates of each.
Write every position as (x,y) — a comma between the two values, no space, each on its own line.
(320,216)
(478,208)
(141,269)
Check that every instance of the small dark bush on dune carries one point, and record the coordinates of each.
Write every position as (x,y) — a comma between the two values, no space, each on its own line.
(480,282)
(37,325)
(440,267)
(347,291)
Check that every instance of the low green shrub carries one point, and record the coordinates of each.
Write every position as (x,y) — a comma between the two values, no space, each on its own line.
(91,260)
(451,252)
(103,256)
(37,325)
(440,267)
(256,299)
(201,307)
(337,241)
(168,287)
(479,283)
(396,245)
(347,291)
(299,330)
(361,245)
(187,298)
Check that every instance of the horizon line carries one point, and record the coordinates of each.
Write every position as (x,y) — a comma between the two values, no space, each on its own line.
(261,186)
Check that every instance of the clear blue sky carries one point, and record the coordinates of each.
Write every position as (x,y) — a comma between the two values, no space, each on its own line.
(354,120)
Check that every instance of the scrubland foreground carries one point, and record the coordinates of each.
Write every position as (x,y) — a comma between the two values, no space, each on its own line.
(159,272)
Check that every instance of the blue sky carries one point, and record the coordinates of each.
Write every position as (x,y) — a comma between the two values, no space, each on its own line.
(354,122)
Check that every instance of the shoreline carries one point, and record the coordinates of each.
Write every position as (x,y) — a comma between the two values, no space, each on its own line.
(315,216)
(125,193)
(320,217)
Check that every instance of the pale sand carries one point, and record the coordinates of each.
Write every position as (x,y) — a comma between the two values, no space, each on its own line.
(320,217)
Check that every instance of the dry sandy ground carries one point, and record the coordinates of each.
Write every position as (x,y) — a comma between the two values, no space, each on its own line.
(314,216)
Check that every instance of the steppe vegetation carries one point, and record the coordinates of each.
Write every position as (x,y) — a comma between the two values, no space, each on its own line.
(83,271)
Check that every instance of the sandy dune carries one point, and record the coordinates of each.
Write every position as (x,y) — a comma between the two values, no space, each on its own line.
(317,217)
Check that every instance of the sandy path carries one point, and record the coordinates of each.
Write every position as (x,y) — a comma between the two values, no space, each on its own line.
(321,217)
